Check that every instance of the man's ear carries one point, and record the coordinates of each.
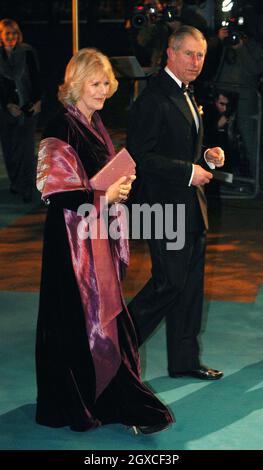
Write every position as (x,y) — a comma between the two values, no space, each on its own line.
(170,53)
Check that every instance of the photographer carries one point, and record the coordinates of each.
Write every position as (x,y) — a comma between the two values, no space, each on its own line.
(239,70)
(148,36)
(161,20)
(220,129)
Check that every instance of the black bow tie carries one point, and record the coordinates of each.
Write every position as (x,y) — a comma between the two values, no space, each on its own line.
(187,88)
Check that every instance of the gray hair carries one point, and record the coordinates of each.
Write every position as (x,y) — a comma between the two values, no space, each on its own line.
(177,36)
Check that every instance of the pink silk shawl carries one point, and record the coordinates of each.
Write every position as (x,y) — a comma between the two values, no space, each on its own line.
(96,262)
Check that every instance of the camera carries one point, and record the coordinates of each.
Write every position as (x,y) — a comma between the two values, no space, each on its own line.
(143,15)
(148,14)
(234,28)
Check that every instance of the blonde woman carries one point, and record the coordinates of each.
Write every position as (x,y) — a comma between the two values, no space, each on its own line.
(19,106)
(88,371)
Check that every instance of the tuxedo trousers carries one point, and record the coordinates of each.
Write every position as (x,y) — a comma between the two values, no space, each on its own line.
(174,292)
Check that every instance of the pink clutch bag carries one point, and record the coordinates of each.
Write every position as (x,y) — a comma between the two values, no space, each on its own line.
(120,165)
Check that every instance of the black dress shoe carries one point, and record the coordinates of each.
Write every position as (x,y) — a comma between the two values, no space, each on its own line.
(151,429)
(203,373)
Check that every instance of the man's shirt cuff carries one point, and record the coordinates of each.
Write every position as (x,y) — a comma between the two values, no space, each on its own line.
(210,164)
(192,175)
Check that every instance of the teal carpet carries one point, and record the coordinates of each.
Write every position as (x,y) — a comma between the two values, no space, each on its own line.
(11,205)
(227,414)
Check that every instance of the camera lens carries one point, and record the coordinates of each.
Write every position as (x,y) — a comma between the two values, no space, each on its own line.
(139,20)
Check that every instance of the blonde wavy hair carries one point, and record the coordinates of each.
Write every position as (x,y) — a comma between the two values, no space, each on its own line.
(8,23)
(84,65)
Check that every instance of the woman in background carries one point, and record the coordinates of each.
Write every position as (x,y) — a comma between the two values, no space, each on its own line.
(20,104)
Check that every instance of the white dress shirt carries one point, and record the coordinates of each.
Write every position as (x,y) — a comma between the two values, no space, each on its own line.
(195,116)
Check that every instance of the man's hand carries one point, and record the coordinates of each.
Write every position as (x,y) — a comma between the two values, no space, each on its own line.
(222,33)
(222,121)
(201,176)
(36,108)
(216,156)
(14,109)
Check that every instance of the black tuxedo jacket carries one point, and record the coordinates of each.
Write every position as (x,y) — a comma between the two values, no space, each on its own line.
(164,142)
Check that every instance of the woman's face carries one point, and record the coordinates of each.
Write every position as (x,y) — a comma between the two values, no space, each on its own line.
(94,93)
(9,37)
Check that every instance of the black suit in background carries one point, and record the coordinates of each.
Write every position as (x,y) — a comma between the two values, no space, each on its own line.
(163,139)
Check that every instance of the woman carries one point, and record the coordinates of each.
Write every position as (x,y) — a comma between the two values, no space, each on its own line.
(19,106)
(88,370)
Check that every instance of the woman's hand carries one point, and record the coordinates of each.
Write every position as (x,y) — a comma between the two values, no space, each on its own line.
(119,191)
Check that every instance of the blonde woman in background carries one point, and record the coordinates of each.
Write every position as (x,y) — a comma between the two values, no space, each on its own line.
(20,104)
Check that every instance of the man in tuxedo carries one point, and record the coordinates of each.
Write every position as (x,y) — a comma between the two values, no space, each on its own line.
(165,138)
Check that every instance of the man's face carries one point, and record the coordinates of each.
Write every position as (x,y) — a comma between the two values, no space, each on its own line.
(186,62)
(221,104)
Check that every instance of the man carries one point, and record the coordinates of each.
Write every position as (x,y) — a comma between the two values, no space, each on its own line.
(165,136)
(239,67)
(216,120)
(220,128)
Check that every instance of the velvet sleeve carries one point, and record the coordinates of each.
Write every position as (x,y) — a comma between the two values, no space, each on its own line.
(71,199)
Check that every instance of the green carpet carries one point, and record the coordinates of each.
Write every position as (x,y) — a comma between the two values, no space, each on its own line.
(227,414)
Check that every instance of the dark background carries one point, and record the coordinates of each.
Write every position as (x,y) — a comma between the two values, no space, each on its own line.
(47,25)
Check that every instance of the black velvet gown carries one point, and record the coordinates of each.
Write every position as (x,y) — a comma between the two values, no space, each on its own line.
(66,379)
